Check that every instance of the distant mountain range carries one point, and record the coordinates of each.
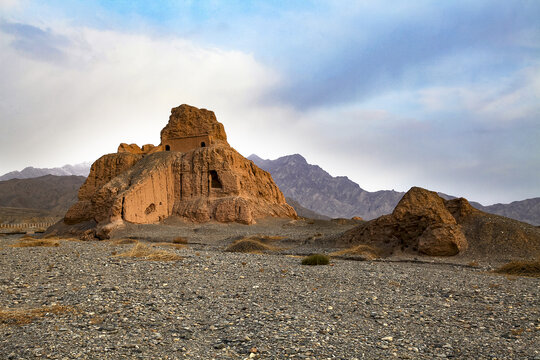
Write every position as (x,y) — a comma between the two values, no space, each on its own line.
(525,210)
(315,189)
(30,172)
(50,193)
(309,189)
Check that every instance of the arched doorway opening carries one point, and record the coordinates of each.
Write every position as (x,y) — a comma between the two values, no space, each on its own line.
(214,180)
(203,144)
(167,147)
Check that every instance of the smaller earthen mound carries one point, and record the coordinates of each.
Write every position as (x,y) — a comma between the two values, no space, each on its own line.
(424,223)
(248,246)
(420,223)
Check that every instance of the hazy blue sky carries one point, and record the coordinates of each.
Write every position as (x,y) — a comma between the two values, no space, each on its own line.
(439,94)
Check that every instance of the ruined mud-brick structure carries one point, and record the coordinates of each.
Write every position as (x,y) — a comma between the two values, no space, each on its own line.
(193,174)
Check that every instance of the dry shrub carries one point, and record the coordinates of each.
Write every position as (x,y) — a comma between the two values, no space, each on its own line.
(173,245)
(249,245)
(362,252)
(521,268)
(26,316)
(62,238)
(31,242)
(180,240)
(146,252)
(123,241)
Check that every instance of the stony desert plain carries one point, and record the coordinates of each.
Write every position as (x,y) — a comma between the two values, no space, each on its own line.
(188,250)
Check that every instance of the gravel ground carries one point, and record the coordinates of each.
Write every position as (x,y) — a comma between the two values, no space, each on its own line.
(216,305)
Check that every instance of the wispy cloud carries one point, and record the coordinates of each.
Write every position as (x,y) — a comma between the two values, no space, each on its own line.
(38,44)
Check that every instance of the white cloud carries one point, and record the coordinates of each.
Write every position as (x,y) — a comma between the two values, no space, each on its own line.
(9,4)
(105,87)
(498,102)
(114,87)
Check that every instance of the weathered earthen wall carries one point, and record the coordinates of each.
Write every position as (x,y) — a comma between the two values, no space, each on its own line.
(146,185)
(187,121)
(187,143)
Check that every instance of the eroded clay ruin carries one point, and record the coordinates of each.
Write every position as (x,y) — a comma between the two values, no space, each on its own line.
(193,174)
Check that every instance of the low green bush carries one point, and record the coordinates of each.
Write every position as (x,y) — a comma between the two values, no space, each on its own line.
(316,259)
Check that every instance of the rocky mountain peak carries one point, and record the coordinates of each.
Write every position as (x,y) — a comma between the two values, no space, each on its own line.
(295,159)
(333,196)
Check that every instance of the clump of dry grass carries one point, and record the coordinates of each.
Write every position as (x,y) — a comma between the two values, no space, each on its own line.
(47,241)
(62,238)
(26,316)
(249,245)
(363,252)
(146,252)
(123,241)
(180,240)
(31,242)
(173,245)
(521,268)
